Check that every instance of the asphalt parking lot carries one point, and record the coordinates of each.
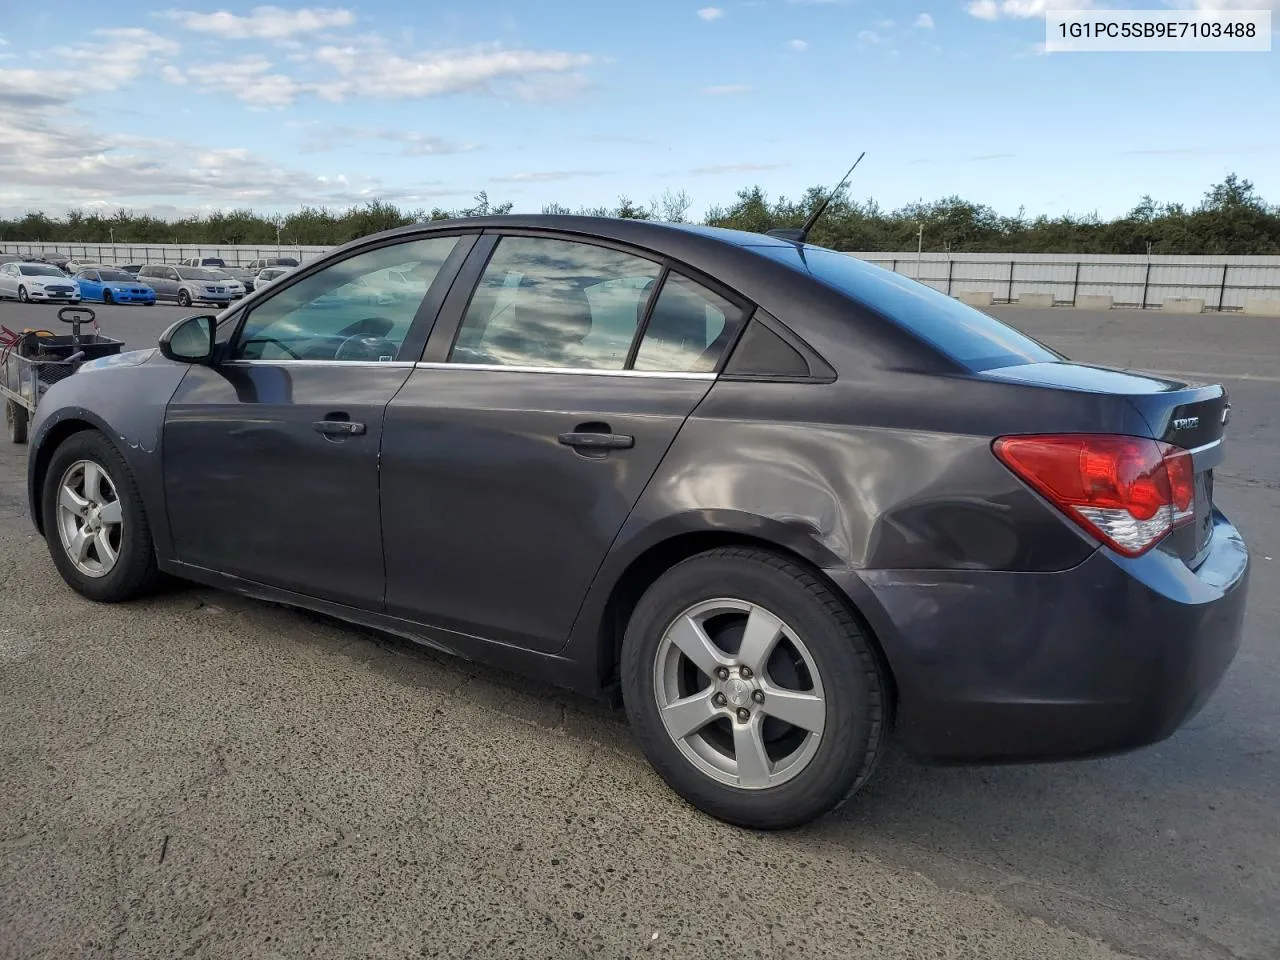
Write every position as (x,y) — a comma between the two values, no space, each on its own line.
(208,776)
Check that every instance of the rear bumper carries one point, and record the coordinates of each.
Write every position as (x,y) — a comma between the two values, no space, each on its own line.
(1107,657)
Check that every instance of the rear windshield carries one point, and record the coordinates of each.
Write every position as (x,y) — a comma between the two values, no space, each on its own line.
(970,337)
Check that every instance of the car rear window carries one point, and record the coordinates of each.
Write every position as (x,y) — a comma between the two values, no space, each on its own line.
(972,338)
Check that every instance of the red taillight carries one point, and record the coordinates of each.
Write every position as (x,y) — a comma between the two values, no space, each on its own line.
(1127,491)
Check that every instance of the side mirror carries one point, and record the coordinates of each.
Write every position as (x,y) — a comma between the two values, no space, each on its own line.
(189,340)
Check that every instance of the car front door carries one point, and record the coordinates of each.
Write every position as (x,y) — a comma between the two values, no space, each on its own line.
(9,279)
(90,287)
(271,453)
(516,450)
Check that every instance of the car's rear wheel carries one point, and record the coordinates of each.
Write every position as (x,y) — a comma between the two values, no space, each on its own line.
(95,521)
(753,691)
(184,298)
(107,297)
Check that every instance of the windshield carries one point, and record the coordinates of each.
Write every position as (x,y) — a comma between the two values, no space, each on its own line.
(39,270)
(972,338)
(197,273)
(115,276)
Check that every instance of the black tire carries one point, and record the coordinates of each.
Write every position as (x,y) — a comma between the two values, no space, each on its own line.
(184,298)
(853,684)
(107,298)
(22,295)
(15,418)
(135,572)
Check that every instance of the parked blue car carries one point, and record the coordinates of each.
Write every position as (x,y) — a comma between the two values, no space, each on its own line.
(114,286)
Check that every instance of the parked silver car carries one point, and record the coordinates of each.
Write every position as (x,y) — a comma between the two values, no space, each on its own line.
(32,282)
(186,285)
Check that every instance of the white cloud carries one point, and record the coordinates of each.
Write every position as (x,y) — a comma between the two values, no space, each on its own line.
(1019,9)
(924,21)
(726,89)
(90,67)
(320,137)
(548,176)
(368,68)
(885,24)
(40,158)
(262,23)
(710,13)
(800,45)
(719,168)
(1212,5)
(870,36)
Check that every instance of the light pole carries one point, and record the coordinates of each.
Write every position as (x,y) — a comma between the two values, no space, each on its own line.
(277,242)
(919,247)
(112,232)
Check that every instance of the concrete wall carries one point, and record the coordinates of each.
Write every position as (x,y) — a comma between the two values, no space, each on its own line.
(1183,305)
(1263,307)
(1094,301)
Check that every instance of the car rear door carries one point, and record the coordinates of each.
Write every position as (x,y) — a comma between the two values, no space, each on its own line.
(545,402)
(271,454)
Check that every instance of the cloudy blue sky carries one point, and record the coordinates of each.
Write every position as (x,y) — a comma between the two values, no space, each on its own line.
(174,108)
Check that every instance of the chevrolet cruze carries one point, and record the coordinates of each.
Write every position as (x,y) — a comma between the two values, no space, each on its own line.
(773,500)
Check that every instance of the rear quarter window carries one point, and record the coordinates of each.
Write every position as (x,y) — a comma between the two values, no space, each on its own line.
(970,337)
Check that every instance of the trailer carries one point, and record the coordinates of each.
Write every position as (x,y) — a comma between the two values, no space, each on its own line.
(33,360)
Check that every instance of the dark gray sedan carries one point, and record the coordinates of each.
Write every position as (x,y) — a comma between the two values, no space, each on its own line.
(774,500)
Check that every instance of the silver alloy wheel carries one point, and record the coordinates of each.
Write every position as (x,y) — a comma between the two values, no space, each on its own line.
(90,521)
(725,711)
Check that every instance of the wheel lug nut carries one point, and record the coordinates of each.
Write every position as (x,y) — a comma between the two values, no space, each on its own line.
(722,673)
(744,672)
(743,714)
(719,699)
(758,696)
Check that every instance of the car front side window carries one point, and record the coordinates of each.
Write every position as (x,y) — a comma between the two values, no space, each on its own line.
(359,308)
(556,304)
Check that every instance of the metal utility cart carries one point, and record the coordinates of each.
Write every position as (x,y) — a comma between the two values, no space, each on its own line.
(34,360)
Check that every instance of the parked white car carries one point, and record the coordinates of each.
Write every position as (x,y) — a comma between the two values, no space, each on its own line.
(268,276)
(37,283)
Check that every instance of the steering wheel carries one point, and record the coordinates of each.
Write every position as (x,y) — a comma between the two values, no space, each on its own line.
(368,327)
(366,348)
(280,344)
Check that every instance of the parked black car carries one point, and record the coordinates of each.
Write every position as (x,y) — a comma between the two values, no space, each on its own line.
(775,499)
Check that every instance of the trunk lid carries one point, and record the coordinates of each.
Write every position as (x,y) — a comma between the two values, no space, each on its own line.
(1186,414)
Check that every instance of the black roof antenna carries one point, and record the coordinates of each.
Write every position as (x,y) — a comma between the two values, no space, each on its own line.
(801,235)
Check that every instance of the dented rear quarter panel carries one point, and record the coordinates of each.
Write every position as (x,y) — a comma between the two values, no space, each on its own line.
(124,397)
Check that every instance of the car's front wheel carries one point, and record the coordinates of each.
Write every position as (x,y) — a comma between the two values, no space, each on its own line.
(107,297)
(753,691)
(184,298)
(95,521)
(23,296)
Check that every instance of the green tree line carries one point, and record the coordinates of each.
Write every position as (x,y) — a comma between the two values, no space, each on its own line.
(1231,218)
